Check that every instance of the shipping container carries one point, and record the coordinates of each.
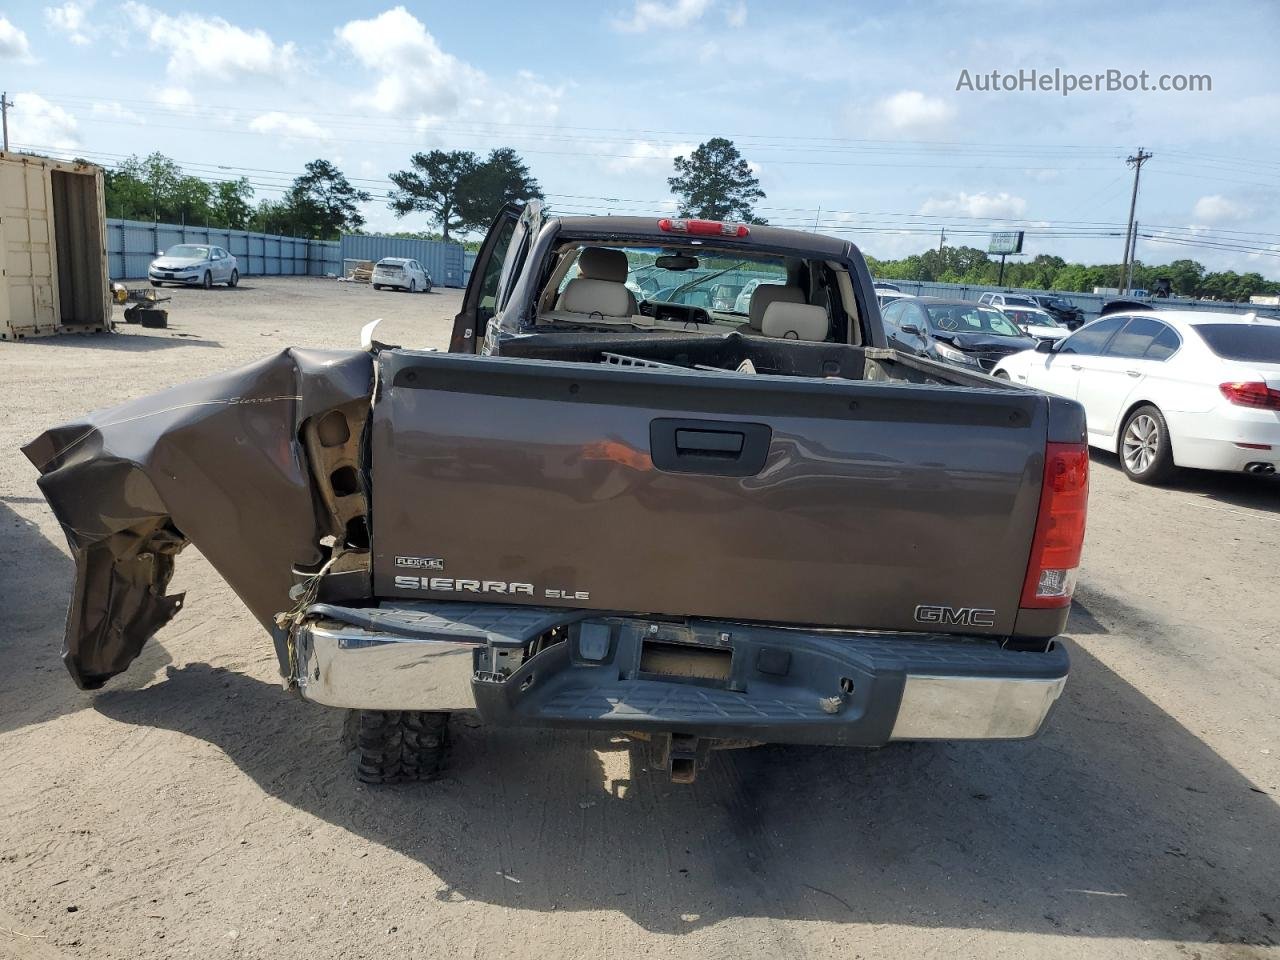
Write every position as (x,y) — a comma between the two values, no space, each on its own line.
(53,254)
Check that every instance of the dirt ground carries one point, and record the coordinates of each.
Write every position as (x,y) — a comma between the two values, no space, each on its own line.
(193,809)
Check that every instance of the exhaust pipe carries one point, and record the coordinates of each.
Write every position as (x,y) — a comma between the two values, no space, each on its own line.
(1259,466)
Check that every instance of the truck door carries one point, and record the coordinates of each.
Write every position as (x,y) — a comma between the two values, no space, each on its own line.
(495,268)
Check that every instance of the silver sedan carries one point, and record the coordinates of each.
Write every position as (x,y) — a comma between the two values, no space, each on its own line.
(194,264)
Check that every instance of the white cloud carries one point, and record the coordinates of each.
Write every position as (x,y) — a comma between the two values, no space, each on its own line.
(35,121)
(648,14)
(177,98)
(1218,209)
(289,126)
(642,154)
(13,43)
(418,78)
(983,205)
(910,111)
(72,19)
(112,110)
(737,16)
(415,73)
(210,47)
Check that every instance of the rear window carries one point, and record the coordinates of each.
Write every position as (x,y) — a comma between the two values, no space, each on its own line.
(1242,341)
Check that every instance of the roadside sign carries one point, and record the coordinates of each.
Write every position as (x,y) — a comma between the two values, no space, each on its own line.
(1006,242)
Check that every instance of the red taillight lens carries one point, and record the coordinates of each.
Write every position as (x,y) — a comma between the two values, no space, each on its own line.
(1055,549)
(706,228)
(1257,395)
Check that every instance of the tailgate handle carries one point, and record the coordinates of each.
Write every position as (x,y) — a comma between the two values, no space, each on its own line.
(715,443)
(709,447)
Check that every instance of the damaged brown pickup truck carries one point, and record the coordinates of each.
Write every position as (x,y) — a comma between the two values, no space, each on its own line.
(667,482)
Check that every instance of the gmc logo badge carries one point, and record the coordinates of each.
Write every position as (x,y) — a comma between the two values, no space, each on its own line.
(955,616)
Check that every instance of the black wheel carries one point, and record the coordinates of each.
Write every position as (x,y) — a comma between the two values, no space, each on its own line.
(153,319)
(1146,455)
(377,286)
(156,283)
(235,279)
(207,282)
(413,286)
(401,746)
(1001,375)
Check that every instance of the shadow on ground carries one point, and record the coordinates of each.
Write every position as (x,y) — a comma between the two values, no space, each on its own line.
(1118,822)
(126,340)
(1255,492)
(37,577)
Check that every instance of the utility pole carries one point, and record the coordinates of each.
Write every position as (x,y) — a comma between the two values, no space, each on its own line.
(1136,162)
(5,104)
(1133,256)
(941,239)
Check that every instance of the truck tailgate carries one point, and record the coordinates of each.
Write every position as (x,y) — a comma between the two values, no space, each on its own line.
(776,499)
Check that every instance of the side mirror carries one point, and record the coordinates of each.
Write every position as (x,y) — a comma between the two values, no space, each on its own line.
(912,329)
(1047,346)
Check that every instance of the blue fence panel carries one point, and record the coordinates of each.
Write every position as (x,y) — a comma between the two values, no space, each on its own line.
(132,245)
(443,261)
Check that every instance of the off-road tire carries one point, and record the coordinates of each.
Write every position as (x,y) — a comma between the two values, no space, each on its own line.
(401,746)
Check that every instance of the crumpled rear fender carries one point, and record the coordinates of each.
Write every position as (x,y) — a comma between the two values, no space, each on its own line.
(220,463)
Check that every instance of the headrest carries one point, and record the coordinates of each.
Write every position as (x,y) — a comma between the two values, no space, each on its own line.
(605,297)
(601,263)
(796,321)
(766,294)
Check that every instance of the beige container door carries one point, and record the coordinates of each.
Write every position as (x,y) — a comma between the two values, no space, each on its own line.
(27,237)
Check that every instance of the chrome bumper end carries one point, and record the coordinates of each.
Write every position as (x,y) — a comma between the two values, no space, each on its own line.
(340,665)
(974,708)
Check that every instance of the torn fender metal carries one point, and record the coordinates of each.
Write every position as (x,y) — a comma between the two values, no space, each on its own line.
(220,463)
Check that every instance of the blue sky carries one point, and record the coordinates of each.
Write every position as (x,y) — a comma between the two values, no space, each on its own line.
(849,112)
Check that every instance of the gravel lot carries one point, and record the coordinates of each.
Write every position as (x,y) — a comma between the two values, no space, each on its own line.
(192,809)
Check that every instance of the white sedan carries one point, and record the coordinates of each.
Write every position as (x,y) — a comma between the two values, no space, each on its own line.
(401,273)
(1036,322)
(1169,388)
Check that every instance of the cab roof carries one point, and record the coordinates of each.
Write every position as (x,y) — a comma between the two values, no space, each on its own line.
(815,245)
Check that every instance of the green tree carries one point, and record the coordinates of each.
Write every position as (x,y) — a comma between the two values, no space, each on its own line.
(231,207)
(459,191)
(435,184)
(501,179)
(716,182)
(322,203)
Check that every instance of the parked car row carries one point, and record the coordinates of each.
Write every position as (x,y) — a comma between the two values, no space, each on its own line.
(203,265)
(1161,389)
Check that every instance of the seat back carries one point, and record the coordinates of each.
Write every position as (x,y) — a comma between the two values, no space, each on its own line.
(796,321)
(766,294)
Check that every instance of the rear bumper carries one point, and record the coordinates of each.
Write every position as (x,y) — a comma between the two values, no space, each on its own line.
(758,683)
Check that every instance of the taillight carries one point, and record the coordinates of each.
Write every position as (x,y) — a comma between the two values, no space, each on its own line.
(706,228)
(1055,548)
(1257,395)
